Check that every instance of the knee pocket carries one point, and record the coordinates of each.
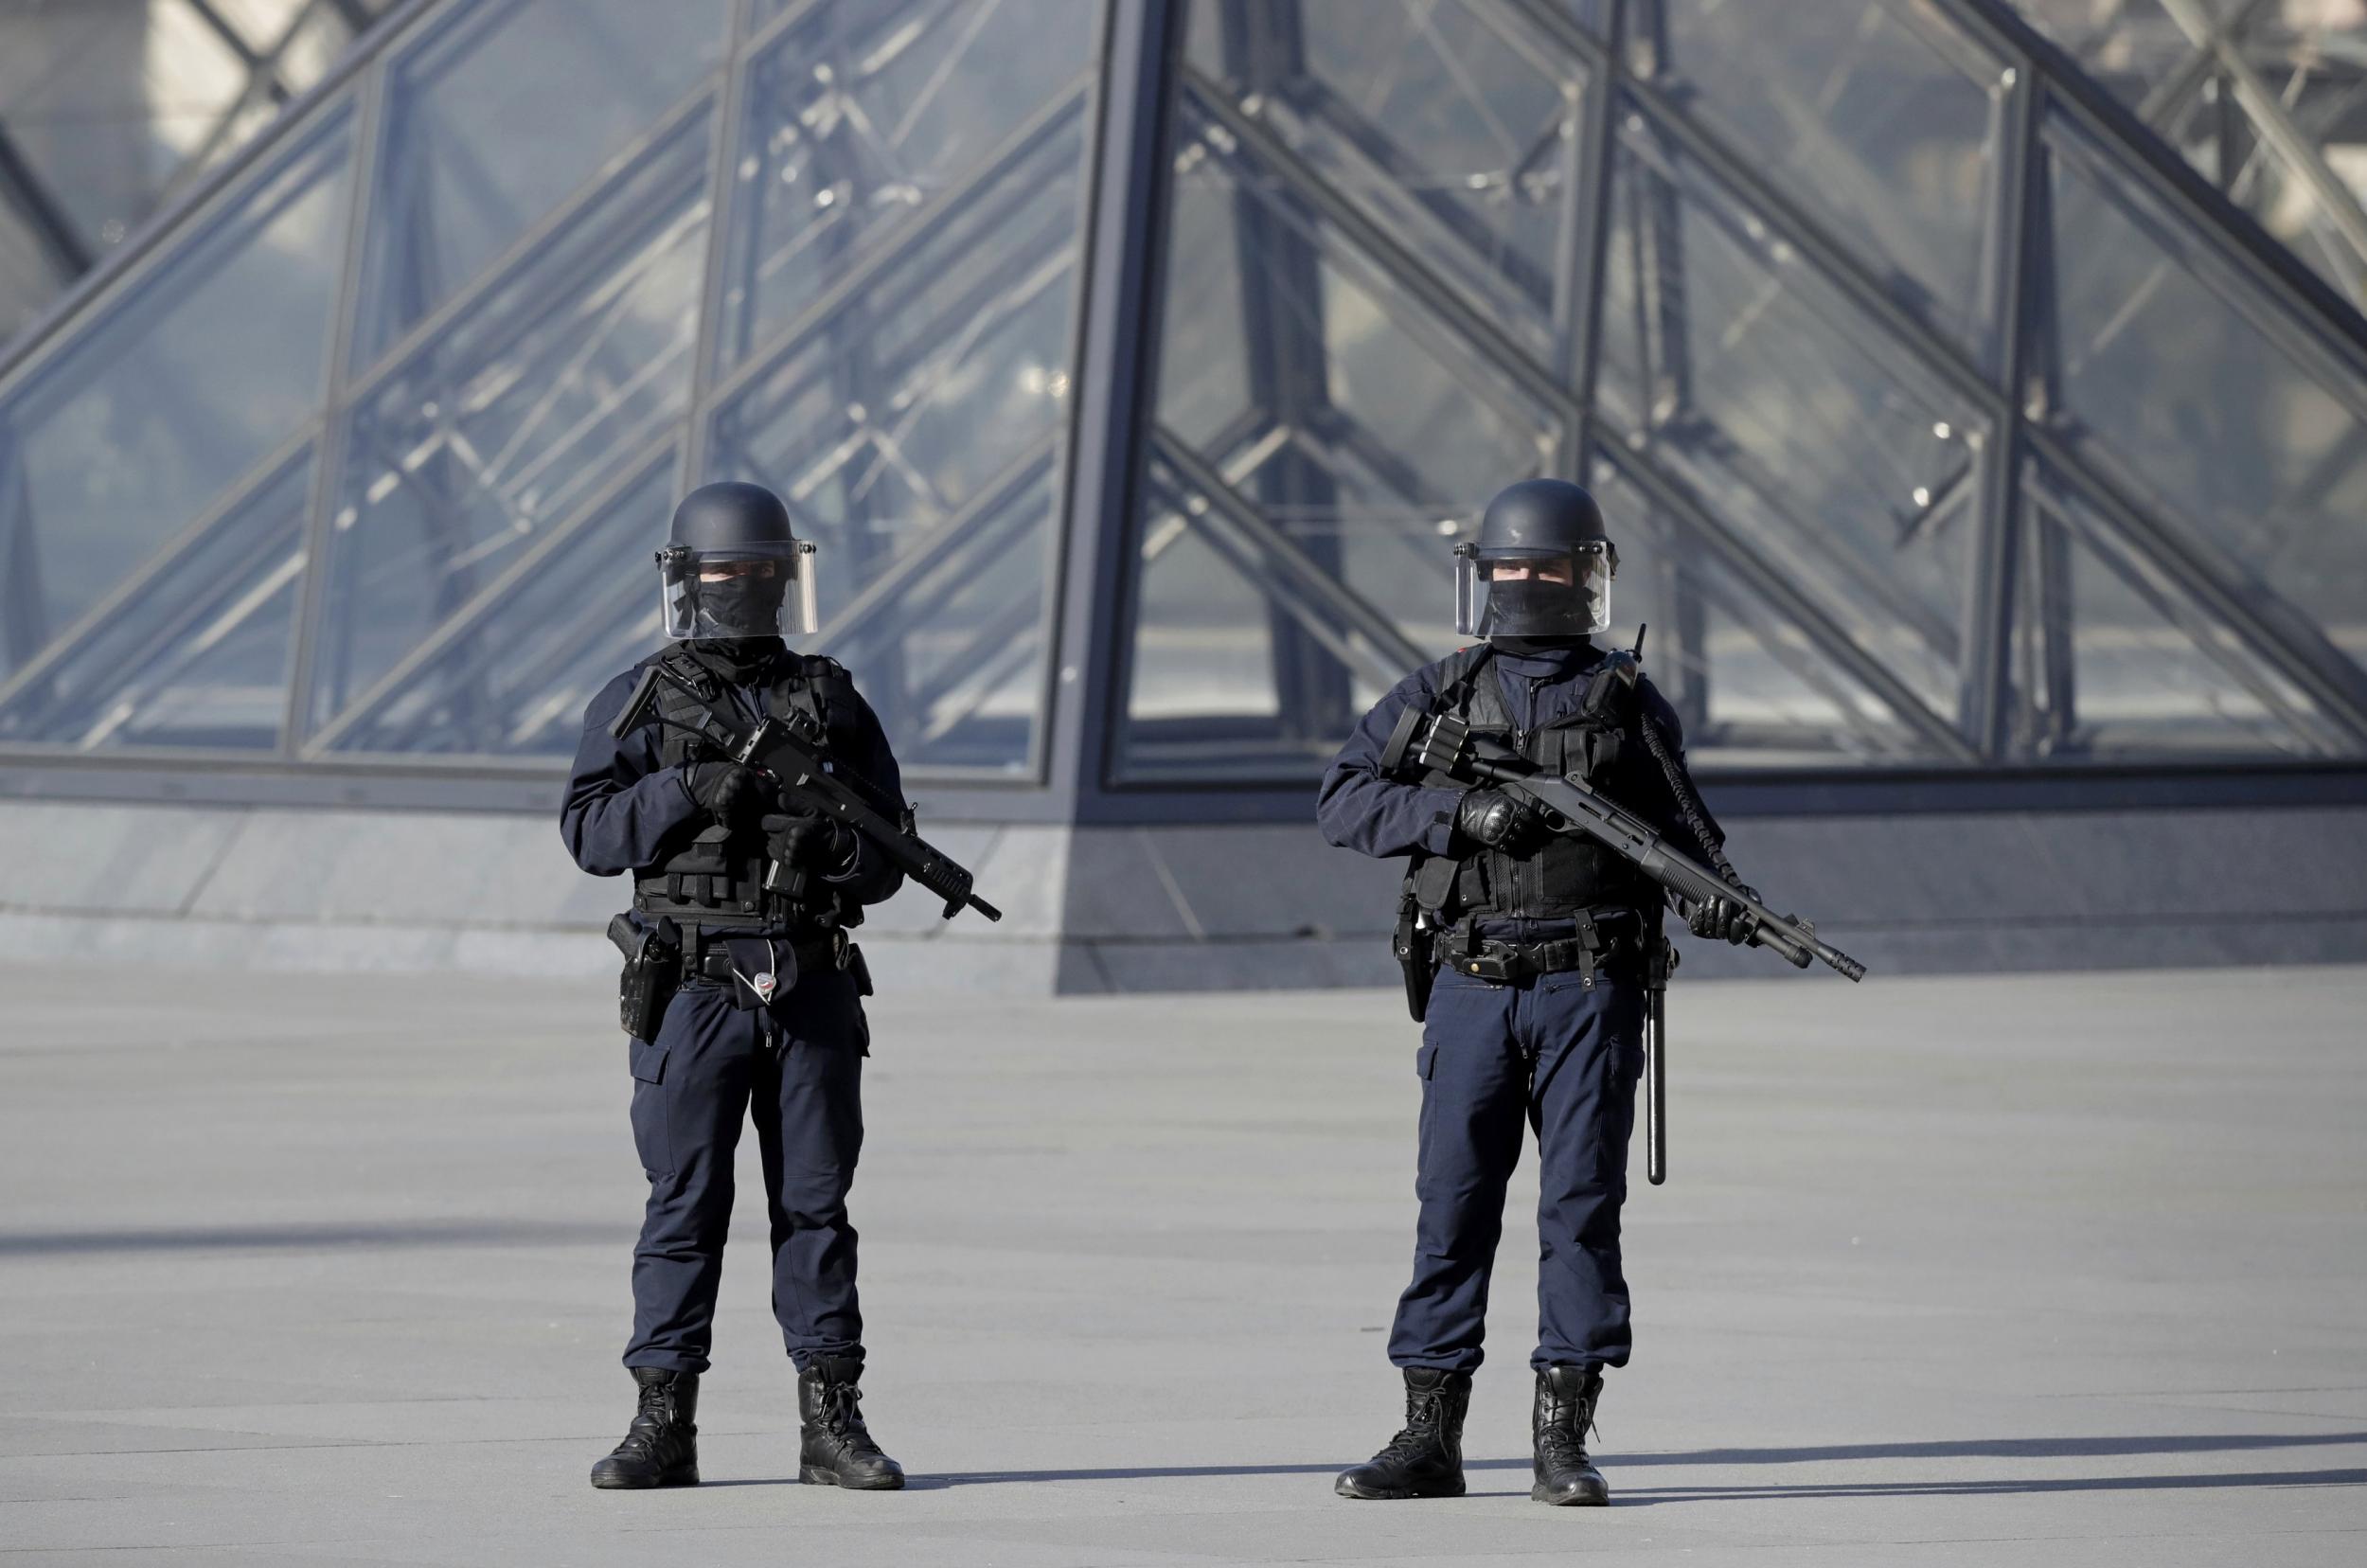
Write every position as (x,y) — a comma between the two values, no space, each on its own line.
(653,1129)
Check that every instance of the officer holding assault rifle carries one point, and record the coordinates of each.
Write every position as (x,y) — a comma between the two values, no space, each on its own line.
(1533,783)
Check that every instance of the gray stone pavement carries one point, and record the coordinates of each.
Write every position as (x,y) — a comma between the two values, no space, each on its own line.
(2070,1269)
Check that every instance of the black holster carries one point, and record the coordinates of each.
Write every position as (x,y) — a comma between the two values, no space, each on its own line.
(1416,947)
(653,967)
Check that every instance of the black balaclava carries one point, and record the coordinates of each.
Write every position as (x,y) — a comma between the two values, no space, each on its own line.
(1542,610)
(749,604)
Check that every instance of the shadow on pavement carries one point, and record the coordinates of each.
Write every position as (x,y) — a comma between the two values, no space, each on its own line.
(1636,1497)
(393,1232)
(1992,1448)
(2036,1447)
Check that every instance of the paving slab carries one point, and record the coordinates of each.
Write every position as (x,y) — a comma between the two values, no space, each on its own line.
(1955,1272)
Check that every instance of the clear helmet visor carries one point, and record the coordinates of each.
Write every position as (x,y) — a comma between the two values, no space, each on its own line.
(754,590)
(1560,594)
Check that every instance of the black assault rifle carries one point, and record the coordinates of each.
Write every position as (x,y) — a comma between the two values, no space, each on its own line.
(787,749)
(1444,744)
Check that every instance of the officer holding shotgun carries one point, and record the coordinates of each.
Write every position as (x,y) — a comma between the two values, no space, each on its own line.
(1543,944)
(742,992)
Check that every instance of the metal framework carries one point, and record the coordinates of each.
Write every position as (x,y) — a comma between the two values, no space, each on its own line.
(2254,100)
(831,256)
(278,53)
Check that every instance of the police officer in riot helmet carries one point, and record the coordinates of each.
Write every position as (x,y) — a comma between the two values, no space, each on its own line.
(1536,1010)
(755,990)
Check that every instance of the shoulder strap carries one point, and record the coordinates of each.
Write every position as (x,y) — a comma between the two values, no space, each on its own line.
(1463,691)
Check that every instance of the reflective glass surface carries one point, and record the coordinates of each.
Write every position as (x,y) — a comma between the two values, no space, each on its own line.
(510,674)
(1323,438)
(2233,427)
(192,376)
(862,121)
(502,111)
(2115,658)
(1380,218)
(111,110)
(1452,126)
(1819,444)
(1880,119)
(195,653)
(2286,145)
(510,420)
(914,430)
(1752,686)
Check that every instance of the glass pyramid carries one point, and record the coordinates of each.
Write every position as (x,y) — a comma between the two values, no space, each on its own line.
(1955,410)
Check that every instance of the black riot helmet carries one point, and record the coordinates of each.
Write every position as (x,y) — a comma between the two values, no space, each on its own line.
(733,568)
(1542,566)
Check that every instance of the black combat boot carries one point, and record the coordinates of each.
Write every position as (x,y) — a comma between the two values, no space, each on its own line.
(661,1448)
(1426,1460)
(1566,1396)
(836,1449)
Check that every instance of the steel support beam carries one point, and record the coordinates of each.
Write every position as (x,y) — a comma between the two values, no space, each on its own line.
(2275,127)
(1304,579)
(1117,381)
(2020,247)
(1283,318)
(2160,167)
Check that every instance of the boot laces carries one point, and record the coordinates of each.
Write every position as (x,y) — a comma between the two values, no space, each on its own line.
(1565,1433)
(655,1411)
(1562,1444)
(841,1416)
(1422,1420)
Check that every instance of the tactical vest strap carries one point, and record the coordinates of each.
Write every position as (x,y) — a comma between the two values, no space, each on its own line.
(1564,877)
(715,878)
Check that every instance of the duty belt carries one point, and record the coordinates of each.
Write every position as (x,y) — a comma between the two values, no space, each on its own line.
(1501,962)
(715,961)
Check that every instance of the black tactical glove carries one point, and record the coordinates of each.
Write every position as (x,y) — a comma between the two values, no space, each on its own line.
(1495,819)
(1723,920)
(808,842)
(722,788)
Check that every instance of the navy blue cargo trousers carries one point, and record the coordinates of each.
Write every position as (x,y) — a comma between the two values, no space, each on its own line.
(1560,1058)
(796,1067)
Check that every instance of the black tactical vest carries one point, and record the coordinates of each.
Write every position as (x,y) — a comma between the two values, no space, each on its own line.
(1566,873)
(714,877)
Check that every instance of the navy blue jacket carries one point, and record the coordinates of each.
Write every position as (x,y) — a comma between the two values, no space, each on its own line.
(624,805)
(1359,810)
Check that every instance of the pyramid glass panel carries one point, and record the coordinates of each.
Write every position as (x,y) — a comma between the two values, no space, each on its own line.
(1881,120)
(192,376)
(1752,686)
(511,420)
(1455,126)
(1345,437)
(500,113)
(2241,432)
(1201,693)
(1819,444)
(407,496)
(863,121)
(2113,659)
(512,673)
(913,429)
(2263,100)
(196,653)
